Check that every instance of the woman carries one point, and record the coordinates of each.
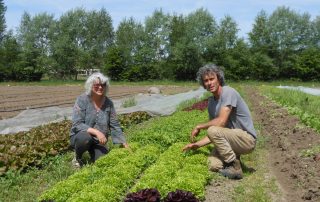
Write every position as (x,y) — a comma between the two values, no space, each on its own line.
(93,119)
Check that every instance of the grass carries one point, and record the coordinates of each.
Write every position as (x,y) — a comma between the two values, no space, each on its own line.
(130,102)
(27,186)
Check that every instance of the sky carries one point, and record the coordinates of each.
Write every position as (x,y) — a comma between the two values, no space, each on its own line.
(242,11)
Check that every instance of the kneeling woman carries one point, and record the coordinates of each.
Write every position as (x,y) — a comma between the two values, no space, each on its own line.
(93,119)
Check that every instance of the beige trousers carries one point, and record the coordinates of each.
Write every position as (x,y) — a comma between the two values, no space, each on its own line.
(229,143)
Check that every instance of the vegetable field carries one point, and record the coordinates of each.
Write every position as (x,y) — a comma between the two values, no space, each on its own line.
(284,167)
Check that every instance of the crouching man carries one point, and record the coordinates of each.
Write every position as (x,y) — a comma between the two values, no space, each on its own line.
(230,128)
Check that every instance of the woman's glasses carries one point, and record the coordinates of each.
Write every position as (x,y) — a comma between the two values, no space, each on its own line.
(97,85)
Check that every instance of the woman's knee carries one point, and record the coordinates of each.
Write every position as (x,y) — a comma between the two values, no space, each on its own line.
(83,139)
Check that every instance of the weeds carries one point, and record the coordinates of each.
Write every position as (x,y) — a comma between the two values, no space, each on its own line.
(130,102)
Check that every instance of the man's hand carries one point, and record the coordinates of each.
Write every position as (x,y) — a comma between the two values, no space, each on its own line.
(125,145)
(190,146)
(194,133)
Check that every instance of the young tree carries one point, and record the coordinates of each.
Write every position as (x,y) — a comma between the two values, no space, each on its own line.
(157,35)
(3,9)
(200,28)
(9,58)
(131,40)
(290,33)
(259,37)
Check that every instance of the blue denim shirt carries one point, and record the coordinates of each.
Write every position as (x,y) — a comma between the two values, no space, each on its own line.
(85,116)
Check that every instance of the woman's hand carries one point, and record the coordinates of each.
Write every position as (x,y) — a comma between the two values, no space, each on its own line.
(101,137)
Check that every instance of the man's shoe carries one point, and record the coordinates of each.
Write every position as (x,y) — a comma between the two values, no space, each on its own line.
(76,163)
(232,170)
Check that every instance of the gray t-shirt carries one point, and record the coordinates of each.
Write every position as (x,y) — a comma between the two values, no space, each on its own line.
(85,116)
(240,115)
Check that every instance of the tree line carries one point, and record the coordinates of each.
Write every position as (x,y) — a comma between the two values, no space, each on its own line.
(282,45)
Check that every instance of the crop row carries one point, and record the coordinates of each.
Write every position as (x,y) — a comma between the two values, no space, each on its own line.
(23,149)
(175,170)
(305,106)
(106,181)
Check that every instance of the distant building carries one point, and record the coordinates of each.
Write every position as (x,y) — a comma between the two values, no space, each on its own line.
(87,72)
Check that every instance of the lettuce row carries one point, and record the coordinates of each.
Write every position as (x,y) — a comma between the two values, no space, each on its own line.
(113,186)
(169,130)
(87,175)
(175,170)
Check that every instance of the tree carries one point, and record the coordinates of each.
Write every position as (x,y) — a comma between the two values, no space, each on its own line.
(308,65)
(259,37)
(200,28)
(290,33)
(316,32)
(35,37)
(131,40)
(81,41)
(9,58)
(115,63)
(222,43)
(3,9)
(157,35)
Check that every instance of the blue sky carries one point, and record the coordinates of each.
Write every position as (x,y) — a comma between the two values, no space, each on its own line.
(242,11)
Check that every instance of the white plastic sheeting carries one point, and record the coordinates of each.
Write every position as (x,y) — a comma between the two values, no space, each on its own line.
(312,91)
(154,104)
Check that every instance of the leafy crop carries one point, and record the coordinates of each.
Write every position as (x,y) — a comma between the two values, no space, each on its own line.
(23,149)
(180,196)
(109,182)
(175,170)
(160,165)
(150,195)
(30,148)
(202,105)
(305,106)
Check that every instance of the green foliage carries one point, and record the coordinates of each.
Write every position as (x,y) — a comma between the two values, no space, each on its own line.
(311,152)
(175,170)
(130,102)
(30,148)
(3,9)
(284,44)
(133,118)
(115,63)
(168,130)
(305,106)
(25,149)
(109,178)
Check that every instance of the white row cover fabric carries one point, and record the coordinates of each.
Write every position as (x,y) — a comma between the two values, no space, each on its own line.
(154,104)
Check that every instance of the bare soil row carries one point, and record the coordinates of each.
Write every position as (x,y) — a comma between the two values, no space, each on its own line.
(15,99)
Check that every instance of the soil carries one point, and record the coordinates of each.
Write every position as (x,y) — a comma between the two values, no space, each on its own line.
(298,177)
(14,99)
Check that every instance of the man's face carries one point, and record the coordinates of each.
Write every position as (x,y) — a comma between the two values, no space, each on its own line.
(211,82)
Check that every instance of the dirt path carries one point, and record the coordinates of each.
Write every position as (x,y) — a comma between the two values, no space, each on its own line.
(298,177)
(14,99)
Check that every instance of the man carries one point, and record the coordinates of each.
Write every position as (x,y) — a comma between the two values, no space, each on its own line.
(230,127)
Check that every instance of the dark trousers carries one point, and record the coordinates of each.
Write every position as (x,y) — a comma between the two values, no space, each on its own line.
(83,142)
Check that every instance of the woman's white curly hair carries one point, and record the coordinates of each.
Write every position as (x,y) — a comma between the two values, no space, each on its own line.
(96,77)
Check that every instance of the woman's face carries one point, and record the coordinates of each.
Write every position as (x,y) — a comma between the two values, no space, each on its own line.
(99,88)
